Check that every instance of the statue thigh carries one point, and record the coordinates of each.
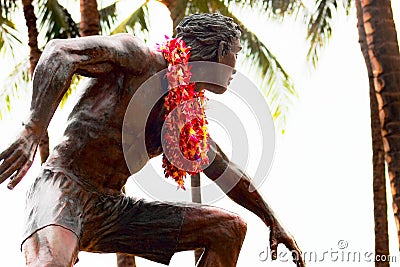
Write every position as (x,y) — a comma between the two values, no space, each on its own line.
(53,246)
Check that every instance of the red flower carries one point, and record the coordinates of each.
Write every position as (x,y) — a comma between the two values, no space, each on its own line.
(193,136)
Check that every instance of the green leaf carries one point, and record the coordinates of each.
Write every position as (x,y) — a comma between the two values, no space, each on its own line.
(320,23)
(275,9)
(56,21)
(8,36)
(275,83)
(108,17)
(136,21)
(76,79)
(15,86)
(7,7)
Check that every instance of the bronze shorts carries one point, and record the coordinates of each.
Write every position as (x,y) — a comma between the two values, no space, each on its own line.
(103,222)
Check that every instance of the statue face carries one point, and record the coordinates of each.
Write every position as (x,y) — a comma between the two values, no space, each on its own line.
(229,58)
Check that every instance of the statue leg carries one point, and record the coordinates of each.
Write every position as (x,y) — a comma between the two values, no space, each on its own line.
(52,246)
(220,233)
(125,260)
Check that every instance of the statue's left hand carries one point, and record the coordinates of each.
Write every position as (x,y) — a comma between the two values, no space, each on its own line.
(16,160)
(278,235)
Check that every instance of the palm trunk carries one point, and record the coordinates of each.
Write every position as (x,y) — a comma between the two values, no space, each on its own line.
(34,55)
(379,176)
(30,19)
(177,9)
(196,198)
(90,18)
(384,57)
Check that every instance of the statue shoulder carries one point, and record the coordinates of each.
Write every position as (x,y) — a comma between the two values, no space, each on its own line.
(136,51)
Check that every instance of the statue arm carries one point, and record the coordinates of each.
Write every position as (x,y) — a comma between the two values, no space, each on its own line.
(89,56)
(236,184)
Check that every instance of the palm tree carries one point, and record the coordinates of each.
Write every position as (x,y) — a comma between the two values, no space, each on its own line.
(319,31)
(383,56)
(378,159)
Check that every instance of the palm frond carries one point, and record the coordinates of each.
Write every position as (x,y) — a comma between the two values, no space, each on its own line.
(6,7)
(108,18)
(137,21)
(15,86)
(56,21)
(76,79)
(320,27)
(276,9)
(348,5)
(8,36)
(275,81)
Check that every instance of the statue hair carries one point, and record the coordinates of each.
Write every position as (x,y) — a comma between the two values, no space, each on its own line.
(204,32)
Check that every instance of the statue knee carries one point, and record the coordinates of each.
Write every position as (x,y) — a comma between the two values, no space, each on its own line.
(52,246)
(47,260)
(235,229)
(240,227)
(229,234)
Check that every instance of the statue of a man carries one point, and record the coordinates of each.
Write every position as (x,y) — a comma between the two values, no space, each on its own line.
(76,204)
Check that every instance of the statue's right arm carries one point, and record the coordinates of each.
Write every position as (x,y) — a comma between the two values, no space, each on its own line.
(88,56)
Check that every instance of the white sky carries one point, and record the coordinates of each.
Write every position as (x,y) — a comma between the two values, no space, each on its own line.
(320,184)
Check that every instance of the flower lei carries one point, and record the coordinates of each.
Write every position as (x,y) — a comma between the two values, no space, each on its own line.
(189,115)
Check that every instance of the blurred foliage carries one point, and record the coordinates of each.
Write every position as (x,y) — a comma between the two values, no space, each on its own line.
(56,21)
(320,22)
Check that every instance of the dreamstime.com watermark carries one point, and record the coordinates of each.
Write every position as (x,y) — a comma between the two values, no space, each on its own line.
(339,254)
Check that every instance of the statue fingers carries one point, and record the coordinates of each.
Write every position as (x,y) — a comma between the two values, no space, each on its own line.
(296,252)
(15,179)
(8,151)
(274,247)
(11,169)
(298,259)
(9,160)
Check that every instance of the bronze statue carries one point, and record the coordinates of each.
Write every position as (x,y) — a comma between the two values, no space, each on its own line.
(76,203)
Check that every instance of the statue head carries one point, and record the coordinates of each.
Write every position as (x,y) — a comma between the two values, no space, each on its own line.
(206,33)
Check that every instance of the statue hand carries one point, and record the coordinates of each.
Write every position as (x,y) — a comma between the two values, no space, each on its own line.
(279,235)
(16,160)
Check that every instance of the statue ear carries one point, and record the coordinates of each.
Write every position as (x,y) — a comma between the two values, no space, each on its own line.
(221,50)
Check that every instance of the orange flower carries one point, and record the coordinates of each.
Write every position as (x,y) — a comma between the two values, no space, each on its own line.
(193,136)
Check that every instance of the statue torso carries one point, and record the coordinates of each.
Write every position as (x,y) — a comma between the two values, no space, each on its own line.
(92,147)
